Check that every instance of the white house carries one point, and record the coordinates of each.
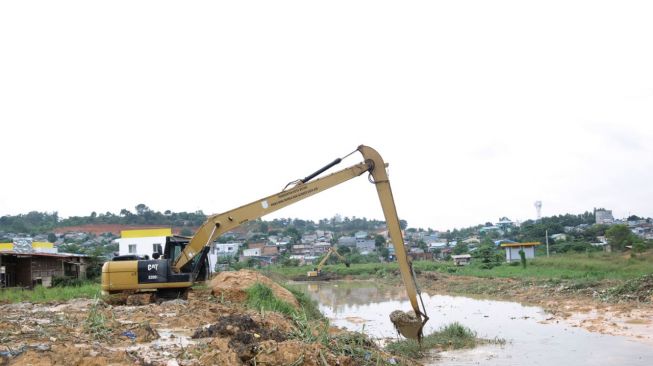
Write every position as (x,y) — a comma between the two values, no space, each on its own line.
(512,250)
(143,241)
(254,252)
(222,250)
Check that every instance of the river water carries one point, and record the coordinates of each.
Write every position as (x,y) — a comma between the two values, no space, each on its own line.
(531,338)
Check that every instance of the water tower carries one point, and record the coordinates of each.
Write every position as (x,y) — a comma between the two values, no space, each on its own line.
(538,208)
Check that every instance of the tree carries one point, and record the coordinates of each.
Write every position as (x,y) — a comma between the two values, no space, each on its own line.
(619,236)
(460,248)
(293,234)
(379,241)
(52,237)
(486,253)
(141,209)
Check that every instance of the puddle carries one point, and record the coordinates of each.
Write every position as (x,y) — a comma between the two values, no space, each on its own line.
(365,306)
(163,349)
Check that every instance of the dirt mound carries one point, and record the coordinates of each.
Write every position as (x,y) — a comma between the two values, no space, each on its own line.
(232,286)
(243,332)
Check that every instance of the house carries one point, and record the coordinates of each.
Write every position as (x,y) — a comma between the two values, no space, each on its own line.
(437,246)
(512,250)
(224,249)
(255,245)
(37,264)
(603,216)
(255,252)
(365,246)
(321,247)
(143,241)
(347,241)
(270,250)
(309,238)
(360,235)
(462,259)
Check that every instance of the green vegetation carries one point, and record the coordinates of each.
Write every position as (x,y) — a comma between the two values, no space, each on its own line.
(638,289)
(261,297)
(311,326)
(452,336)
(308,305)
(96,322)
(41,294)
(597,266)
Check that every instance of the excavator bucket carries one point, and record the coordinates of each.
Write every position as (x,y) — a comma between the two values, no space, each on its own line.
(407,324)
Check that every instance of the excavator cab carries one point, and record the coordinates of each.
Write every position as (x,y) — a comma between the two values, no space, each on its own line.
(156,274)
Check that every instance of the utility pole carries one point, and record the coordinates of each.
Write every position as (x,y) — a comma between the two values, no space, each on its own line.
(546,232)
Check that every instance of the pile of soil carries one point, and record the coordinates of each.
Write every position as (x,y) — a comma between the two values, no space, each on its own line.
(232,286)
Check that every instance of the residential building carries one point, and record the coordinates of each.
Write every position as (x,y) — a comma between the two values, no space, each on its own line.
(143,242)
(270,250)
(225,249)
(558,237)
(603,216)
(347,241)
(255,252)
(360,235)
(365,246)
(28,266)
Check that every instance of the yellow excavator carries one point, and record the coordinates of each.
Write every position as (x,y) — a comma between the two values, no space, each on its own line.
(184,260)
(318,270)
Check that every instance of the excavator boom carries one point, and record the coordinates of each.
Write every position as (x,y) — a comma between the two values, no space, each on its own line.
(127,276)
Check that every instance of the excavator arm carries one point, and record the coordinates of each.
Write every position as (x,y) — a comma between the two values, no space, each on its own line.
(219,224)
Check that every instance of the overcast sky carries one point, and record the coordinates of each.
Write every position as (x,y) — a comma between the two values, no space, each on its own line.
(480,107)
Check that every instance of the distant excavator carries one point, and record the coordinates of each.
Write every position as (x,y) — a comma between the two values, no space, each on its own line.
(182,262)
(318,270)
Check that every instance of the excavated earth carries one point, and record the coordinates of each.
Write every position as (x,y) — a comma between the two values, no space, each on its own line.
(211,327)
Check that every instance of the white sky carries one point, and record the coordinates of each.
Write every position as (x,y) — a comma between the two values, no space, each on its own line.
(480,107)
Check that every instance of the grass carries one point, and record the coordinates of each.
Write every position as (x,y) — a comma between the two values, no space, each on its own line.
(311,326)
(452,336)
(308,305)
(96,323)
(260,297)
(594,266)
(41,294)
(597,266)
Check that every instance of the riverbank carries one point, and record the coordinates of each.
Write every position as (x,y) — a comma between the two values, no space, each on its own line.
(608,293)
(598,306)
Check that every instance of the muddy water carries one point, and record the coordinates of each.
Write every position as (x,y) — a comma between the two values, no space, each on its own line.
(531,339)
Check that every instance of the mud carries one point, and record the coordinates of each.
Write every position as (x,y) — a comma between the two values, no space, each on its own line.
(206,329)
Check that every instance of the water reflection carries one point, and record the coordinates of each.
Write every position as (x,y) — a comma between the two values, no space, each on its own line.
(365,306)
